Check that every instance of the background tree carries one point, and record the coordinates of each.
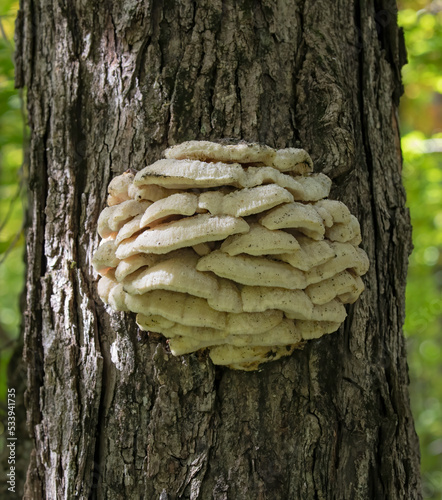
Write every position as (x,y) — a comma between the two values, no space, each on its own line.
(109,87)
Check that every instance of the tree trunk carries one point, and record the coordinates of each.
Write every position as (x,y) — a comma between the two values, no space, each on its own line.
(112,414)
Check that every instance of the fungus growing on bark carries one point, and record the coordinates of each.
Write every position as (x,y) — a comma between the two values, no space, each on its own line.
(231,248)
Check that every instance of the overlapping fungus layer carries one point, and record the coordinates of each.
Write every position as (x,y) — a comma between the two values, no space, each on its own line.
(233,248)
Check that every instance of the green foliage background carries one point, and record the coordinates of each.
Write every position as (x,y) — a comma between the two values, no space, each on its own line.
(12,131)
(421,125)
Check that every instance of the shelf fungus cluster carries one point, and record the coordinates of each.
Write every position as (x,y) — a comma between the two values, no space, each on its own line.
(231,248)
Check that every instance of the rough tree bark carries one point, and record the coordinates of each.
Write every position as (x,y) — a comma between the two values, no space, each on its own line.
(110,85)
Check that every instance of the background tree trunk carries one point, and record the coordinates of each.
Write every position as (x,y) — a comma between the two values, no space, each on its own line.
(112,414)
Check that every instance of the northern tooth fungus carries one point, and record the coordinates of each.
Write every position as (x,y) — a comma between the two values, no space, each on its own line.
(231,248)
